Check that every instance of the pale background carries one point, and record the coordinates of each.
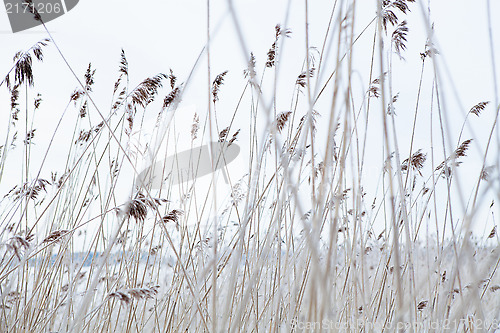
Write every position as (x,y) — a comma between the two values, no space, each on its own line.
(162,35)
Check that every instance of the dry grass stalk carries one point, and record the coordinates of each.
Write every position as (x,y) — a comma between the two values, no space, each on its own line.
(422,305)
(128,295)
(223,134)
(271,54)
(234,137)
(172,78)
(399,38)
(123,63)
(139,205)
(23,72)
(195,127)
(173,216)
(249,72)
(55,236)
(171,97)
(218,82)
(147,90)
(14,96)
(282,119)
(459,152)
(302,78)
(493,232)
(19,244)
(257,268)
(89,78)
(416,161)
(476,109)
(29,137)
(30,190)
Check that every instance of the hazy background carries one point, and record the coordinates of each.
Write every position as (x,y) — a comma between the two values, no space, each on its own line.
(159,36)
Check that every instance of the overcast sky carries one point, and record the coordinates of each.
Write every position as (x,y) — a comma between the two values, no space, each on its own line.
(161,35)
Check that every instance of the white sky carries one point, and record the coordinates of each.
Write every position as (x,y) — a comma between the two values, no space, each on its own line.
(159,35)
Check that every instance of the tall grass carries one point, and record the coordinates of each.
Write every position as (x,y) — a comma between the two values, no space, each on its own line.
(332,218)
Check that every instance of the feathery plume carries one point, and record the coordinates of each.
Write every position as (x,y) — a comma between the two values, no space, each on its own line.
(147,90)
(173,216)
(399,38)
(301,79)
(172,78)
(218,82)
(195,127)
(223,134)
(19,244)
(282,119)
(416,161)
(493,232)
(476,109)
(171,97)
(138,206)
(89,78)
(271,54)
(235,136)
(55,236)
(123,64)
(249,72)
(127,295)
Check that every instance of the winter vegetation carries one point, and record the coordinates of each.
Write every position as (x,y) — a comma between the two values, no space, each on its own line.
(361,200)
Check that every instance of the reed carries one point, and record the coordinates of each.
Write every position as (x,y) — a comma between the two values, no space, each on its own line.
(322,224)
